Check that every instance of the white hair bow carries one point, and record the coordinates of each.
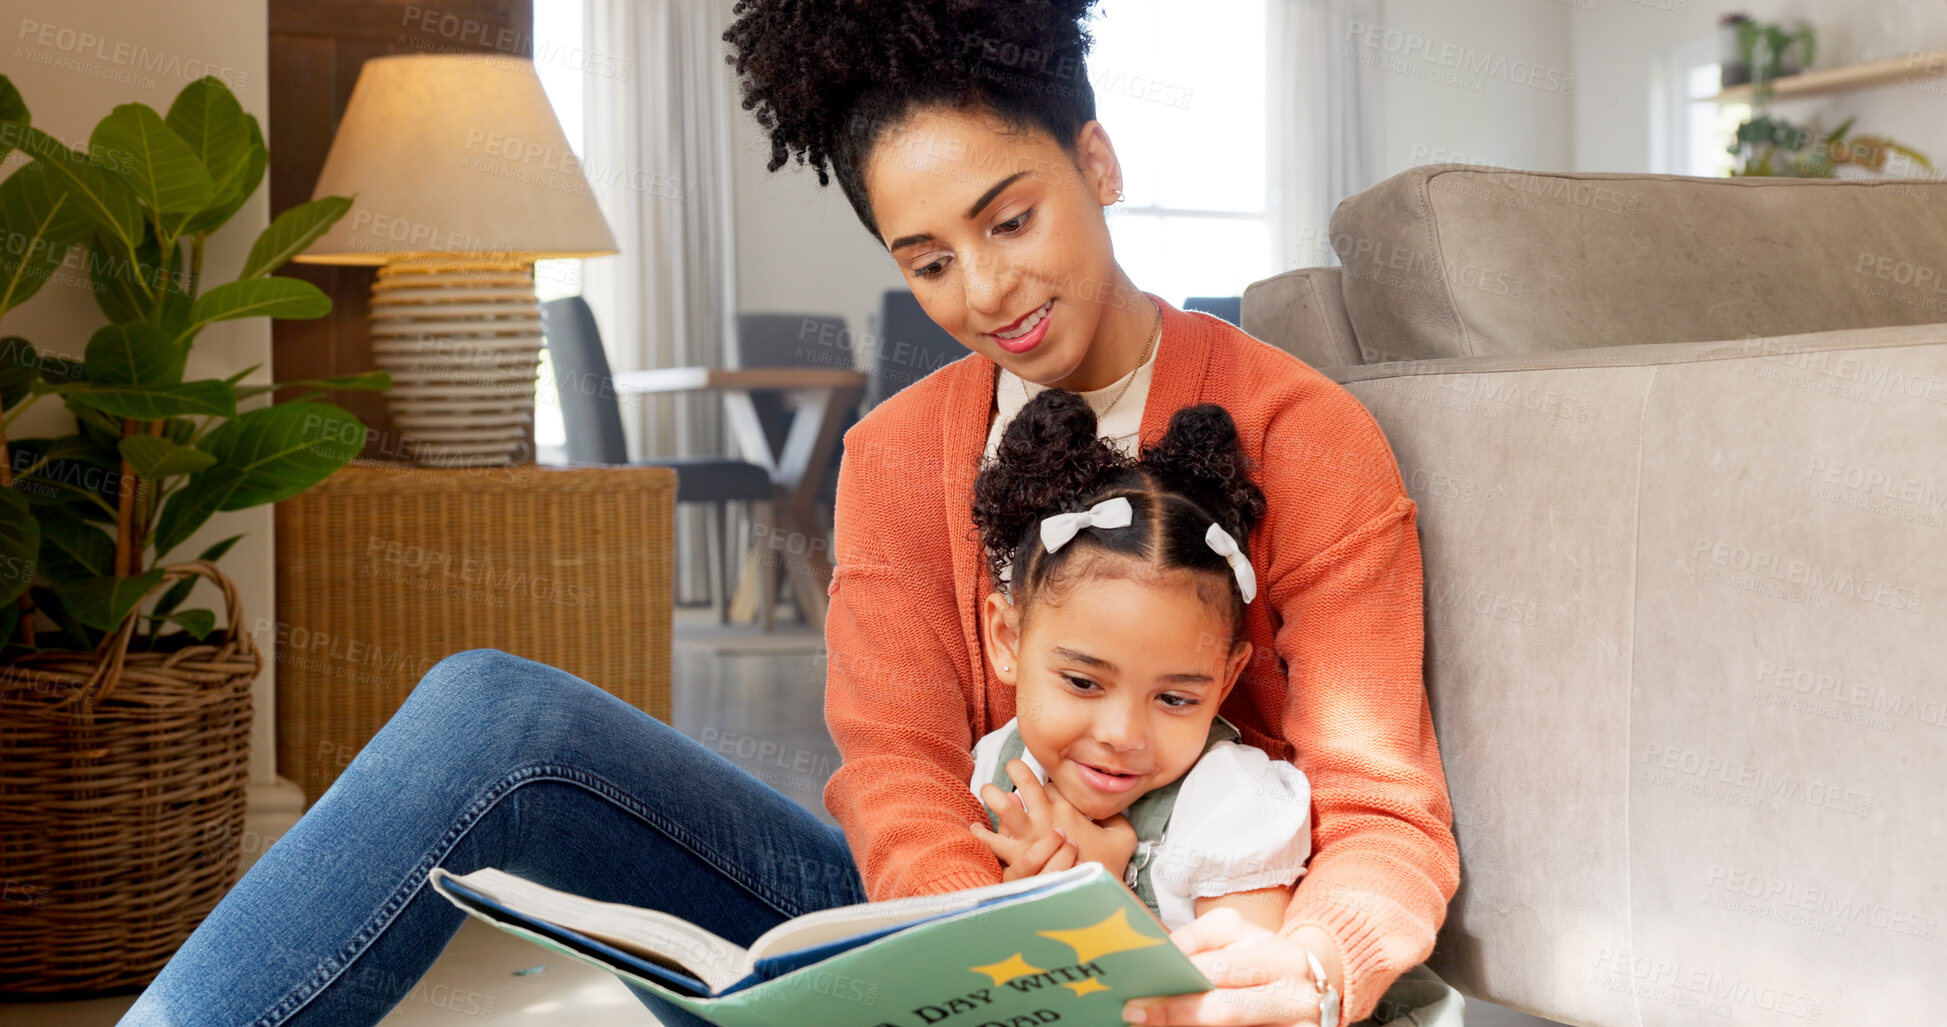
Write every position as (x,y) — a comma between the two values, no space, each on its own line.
(1226,547)
(1057,529)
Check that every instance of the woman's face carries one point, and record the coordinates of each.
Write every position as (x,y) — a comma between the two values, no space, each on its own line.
(1116,683)
(991,229)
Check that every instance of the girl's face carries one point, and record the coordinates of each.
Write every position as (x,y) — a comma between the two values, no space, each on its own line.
(993,229)
(1116,684)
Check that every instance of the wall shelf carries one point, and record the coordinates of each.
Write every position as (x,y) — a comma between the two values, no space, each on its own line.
(1845,79)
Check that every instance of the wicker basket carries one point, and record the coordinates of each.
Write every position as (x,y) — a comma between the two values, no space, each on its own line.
(122,783)
(384,569)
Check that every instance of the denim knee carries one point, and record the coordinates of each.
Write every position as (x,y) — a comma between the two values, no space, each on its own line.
(487,687)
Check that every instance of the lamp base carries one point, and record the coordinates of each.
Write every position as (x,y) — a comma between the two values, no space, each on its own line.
(462,341)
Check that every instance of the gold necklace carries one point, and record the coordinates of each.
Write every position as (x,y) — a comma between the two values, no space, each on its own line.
(1156,335)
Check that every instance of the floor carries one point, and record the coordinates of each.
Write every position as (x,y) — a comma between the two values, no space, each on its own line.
(739,692)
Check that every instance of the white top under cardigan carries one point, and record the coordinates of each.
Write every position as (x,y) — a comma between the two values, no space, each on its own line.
(1241,821)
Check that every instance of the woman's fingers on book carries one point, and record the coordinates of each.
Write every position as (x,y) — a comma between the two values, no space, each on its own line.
(1268,1005)
(1261,977)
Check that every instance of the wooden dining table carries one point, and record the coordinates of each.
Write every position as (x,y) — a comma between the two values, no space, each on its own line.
(820,397)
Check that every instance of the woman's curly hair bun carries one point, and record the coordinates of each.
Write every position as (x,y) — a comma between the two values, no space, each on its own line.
(825,77)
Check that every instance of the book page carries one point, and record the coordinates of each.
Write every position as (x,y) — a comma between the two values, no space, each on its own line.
(841,922)
(653,935)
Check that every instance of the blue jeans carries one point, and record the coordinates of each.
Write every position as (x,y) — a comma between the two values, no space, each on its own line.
(494,761)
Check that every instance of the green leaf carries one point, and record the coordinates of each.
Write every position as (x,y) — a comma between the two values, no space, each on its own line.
(259,297)
(20,367)
(232,193)
(291,232)
(104,602)
(79,638)
(181,589)
(74,551)
(284,449)
(20,544)
(155,457)
(39,221)
(154,402)
(378,381)
(208,117)
(198,623)
(123,284)
(12,108)
(186,510)
(136,353)
(135,143)
(105,197)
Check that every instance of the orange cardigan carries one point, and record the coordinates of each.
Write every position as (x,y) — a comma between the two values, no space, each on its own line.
(1334,684)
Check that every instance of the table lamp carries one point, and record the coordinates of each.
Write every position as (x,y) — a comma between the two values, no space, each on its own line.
(462,179)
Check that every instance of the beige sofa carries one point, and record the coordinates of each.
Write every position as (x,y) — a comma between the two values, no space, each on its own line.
(1680,450)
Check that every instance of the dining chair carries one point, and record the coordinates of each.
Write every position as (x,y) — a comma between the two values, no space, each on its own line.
(908,346)
(592,418)
(1230,308)
(795,340)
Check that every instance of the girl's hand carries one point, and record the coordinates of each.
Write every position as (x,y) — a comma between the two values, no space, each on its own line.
(1262,978)
(1029,842)
(1036,812)
(1109,842)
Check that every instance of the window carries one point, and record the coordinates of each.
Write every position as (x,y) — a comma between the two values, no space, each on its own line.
(1692,132)
(1181,90)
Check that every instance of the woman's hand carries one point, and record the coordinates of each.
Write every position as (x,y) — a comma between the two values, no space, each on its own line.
(1041,832)
(1263,978)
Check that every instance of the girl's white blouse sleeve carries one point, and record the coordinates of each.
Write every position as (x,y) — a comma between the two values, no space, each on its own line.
(1241,821)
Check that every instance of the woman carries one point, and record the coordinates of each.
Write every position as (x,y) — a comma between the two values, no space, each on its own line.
(964,136)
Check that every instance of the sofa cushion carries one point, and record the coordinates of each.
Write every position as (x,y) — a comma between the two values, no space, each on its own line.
(1683,647)
(1456,260)
(1303,313)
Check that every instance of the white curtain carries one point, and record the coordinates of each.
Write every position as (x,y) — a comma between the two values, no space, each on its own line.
(657,148)
(1323,108)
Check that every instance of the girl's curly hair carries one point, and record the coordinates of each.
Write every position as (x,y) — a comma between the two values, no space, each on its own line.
(828,78)
(1051,461)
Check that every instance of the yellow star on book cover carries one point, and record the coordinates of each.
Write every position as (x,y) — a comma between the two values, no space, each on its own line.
(1106,938)
(1007,969)
(1085,986)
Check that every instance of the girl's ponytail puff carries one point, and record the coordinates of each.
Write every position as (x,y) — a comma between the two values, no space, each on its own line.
(1048,458)
(1199,457)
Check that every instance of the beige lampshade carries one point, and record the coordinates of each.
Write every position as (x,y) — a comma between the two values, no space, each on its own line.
(455,154)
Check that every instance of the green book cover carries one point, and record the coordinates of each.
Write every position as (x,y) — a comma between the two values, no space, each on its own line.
(1069,952)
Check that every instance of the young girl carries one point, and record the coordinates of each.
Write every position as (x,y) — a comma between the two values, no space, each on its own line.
(1120,629)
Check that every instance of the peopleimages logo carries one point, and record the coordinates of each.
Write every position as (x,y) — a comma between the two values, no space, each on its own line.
(1810,576)
(1463,59)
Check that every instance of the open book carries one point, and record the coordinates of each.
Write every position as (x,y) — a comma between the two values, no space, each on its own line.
(1070,946)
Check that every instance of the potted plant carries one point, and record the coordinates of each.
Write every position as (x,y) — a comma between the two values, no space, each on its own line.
(1769,50)
(1770,145)
(124,716)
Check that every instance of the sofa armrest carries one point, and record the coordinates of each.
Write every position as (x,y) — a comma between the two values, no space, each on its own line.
(1303,313)
(1684,636)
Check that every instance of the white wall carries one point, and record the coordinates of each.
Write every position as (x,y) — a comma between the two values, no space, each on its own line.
(1615,45)
(799,247)
(1473,81)
(94,57)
